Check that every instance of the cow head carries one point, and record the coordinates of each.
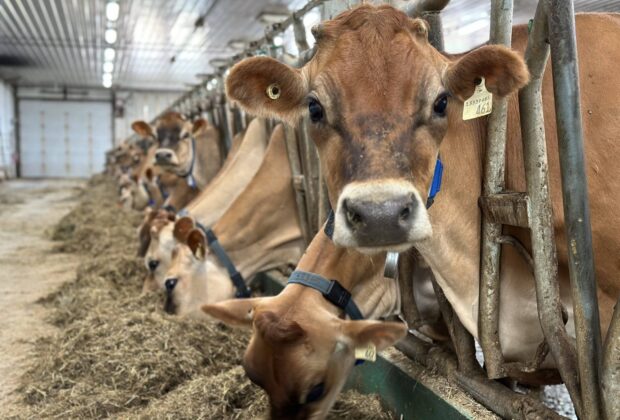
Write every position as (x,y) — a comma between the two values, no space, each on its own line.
(301,355)
(192,279)
(379,99)
(159,248)
(174,135)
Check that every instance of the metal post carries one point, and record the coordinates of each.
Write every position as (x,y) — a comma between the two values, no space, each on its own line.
(494,164)
(295,162)
(561,20)
(541,218)
(611,368)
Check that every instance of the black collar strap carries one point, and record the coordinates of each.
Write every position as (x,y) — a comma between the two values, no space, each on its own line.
(332,290)
(234,274)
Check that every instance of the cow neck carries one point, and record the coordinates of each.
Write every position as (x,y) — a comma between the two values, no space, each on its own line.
(206,156)
(453,251)
(360,274)
(180,195)
(261,229)
(214,200)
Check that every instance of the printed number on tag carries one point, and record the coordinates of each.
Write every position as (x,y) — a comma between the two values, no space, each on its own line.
(479,104)
(367,352)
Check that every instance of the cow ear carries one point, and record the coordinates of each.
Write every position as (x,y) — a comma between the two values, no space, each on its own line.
(199,124)
(197,243)
(182,228)
(265,87)
(142,128)
(503,69)
(381,334)
(233,312)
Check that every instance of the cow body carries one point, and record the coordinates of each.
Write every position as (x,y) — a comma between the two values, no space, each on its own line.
(259,231)
(211,203)
(383,104)
(302,349)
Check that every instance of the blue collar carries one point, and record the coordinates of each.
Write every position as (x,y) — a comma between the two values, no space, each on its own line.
(190,178)
(435,183)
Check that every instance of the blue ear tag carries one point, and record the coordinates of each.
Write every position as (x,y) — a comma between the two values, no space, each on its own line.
(151,202)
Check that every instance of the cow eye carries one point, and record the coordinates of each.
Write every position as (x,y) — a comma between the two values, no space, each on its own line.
(440,105)
(185,135)
(316,393)
(315,109)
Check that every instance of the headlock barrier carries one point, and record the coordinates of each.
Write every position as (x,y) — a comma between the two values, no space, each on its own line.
(590,371)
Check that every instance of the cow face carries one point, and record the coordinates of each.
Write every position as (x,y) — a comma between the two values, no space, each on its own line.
(379,99)
(302,355)
(192,279)
(184,291)
(174,136)
(160,246)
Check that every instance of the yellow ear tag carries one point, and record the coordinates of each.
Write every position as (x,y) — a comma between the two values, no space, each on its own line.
(367,352)
(479,104)
(273,91)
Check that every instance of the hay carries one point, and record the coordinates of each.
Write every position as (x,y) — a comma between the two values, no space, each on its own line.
(118,355)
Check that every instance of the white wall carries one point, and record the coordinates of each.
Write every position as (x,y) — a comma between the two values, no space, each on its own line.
(7,130)
(140,106)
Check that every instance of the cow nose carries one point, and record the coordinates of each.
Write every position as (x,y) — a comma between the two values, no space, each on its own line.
(163,156)
(153,264)
(380,222)
(170,284)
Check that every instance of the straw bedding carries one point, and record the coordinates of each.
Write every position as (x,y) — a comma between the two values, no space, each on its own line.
(116,354)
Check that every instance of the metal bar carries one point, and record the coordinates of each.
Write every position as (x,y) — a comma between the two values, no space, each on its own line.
(409,307)
(561,21)
(491,394)
(541,218)
(461,338)
(610,376)
(311,168)
(294,160)
(494,164)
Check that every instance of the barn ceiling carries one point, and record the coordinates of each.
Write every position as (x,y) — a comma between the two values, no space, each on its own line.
(165,44)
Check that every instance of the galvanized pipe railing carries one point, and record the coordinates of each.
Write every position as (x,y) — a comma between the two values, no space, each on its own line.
(541,217)
(494,164)
(610,376)
(563,40)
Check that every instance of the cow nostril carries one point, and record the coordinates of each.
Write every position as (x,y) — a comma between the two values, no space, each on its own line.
(153,264)
(353,216)
(405,213)
(170,284)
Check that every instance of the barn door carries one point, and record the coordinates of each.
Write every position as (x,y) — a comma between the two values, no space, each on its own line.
(64,138)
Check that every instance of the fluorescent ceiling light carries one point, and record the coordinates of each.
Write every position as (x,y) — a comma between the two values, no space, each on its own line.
(110,36)
(273,13)
(109,54)
(108,67)
(106,80)
(218,62)
(237,44)
(112,10)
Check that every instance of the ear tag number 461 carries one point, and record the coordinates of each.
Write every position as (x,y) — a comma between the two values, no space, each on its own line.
(479,104)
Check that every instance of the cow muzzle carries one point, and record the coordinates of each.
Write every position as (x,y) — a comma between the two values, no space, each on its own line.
(165,157)
(380,216)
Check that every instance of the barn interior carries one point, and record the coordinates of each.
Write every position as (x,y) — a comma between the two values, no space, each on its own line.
(82,338)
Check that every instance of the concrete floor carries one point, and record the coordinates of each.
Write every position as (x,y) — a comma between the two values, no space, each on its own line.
(29,269)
